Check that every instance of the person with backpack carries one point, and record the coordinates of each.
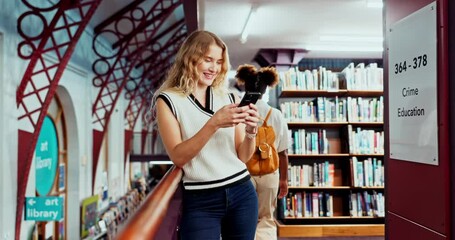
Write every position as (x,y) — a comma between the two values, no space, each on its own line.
(269,163)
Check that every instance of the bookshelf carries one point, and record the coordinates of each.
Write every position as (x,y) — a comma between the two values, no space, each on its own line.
(336,162)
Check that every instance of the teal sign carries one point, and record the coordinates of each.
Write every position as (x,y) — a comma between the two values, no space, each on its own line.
(46,157)
(43,208)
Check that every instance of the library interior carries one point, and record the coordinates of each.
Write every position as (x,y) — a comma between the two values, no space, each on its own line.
(364,92)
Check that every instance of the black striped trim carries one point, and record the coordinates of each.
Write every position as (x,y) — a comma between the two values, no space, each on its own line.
(240,181)
(168,102)
(215,181)
(208,102)
(209,99)
(231,97)
(198,105)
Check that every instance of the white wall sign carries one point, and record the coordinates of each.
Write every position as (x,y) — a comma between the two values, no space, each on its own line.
(413,87)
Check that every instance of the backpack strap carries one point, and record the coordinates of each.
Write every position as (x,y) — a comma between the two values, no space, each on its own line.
(267,117)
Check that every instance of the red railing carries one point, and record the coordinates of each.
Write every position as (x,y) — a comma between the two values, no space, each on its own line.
(146,221)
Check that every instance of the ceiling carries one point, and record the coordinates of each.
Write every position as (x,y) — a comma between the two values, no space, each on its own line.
(295,24)
(277,24)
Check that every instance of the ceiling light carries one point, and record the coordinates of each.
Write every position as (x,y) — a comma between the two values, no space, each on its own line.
(338,48)
(374,3)
(339,38)
(247,26)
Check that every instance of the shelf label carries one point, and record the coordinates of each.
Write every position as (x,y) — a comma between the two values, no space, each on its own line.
(413,87)
(43,208)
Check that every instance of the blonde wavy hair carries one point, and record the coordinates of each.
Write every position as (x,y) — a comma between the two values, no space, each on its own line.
(183,75)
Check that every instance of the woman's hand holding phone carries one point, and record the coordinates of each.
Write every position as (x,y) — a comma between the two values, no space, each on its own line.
(249,97)
(251,121)
(244,112)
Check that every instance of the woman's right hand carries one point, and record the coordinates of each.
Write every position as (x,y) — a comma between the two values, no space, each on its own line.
(230,115)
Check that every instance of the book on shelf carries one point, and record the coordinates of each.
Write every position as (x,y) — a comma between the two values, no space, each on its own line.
(315,79)
(319,109)
(363,77)
(362,109)
(309,142)
(365,141)
(367,173)
(360,77)
(316,175)
(306,205)
(366,204)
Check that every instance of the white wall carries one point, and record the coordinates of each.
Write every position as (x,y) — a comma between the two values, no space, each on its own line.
(77,95)
(116,151)
(10,76)
(8,155)
(74,93)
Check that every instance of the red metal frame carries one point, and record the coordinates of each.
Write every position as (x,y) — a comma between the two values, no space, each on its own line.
(117,15)
(178,25)
(33,96)
(155,71)
(131,49)
(165,32)
(142,93)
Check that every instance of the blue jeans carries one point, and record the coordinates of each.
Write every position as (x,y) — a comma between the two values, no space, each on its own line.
(230,212)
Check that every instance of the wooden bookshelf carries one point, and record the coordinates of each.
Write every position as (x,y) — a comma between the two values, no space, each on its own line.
(330,93)
(333,124)
(312,93)
(333,155)
(367,124)
(332,183)
(338,230)
(316,124)
(365,93)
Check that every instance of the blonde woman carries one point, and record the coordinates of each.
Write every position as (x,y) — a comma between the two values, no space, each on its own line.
(207,135)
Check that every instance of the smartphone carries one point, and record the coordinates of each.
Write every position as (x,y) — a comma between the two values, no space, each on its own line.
(249,97)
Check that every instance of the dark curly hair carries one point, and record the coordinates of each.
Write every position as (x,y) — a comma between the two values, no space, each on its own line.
(256,81)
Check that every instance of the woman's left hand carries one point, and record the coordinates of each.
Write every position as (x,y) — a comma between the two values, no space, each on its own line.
(251,121)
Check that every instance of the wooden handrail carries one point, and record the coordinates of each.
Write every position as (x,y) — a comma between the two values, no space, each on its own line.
(145,222)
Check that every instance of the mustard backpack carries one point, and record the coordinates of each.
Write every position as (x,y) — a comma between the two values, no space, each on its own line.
(265,159)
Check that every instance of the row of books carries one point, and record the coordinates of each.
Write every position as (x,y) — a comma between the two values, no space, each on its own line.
(306,204)
(325,109)
(316,79)
(363,77)
(363,141)
(320,204)
(360,77)
(365,109)
(308,142)
(367,173)
(317,175)
(365,204)
(320,109)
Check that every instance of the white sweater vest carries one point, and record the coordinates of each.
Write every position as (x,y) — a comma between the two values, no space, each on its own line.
(217,164)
